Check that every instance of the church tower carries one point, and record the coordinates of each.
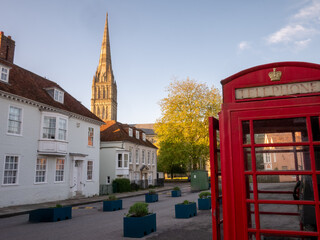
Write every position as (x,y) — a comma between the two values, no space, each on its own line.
(104,88)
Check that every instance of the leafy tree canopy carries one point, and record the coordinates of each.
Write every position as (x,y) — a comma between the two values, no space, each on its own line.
(182,130)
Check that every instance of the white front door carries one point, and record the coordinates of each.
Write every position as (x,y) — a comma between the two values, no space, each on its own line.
(77,177)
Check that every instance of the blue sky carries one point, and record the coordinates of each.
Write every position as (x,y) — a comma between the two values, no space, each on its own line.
(154,42)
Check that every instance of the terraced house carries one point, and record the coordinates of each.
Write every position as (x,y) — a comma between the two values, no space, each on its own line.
(49,142)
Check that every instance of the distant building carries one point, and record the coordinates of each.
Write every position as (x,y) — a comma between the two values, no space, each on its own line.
(49,142)
(104,88)
(125,152)
(148,129)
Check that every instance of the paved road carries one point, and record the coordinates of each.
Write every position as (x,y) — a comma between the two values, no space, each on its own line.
(90,222)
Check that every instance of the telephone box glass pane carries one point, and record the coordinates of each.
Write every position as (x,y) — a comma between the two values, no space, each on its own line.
(247,159)
(252,236)
(315,128)
(285,187)
(250,214)
(249,187)
(280,130)
(287,217)
(317,156)
(283,158)
(246,132)
(274,237)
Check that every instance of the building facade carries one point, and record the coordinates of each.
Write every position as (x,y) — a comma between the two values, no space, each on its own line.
(104,88)
(125,152)
(49,142)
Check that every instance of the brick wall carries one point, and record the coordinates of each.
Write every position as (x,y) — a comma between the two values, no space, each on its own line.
(7,46)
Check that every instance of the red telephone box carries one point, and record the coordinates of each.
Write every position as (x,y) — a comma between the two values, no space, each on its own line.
(270,154)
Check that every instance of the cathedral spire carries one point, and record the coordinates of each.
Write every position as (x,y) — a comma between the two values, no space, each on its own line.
(105,54)
(104,88)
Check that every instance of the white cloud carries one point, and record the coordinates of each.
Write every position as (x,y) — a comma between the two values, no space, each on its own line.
(290,33)
(308,13)
(301,28)
(243,45)
(302,43)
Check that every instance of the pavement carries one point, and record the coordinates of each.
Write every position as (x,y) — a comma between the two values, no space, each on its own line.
(25,209)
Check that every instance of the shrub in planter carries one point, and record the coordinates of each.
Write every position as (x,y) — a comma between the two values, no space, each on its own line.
(152,196)
(186,209)
(55,214)
(204,201)
(176,192)
(139,222)
(121,185)
(112,204)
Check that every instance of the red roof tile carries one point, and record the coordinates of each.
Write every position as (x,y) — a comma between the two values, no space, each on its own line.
(31,86)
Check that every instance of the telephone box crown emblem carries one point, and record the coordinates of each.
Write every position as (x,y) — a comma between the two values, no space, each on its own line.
(275,75)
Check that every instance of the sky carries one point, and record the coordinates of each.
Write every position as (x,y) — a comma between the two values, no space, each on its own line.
(155,42)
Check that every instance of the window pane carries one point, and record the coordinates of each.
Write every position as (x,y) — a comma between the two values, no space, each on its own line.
(288,217)
(285,187)
(250,215)
(315,128)
(317,156)
(246,132)
(280,130)
(49,127)
(249,187)
(282,158)
(247,159)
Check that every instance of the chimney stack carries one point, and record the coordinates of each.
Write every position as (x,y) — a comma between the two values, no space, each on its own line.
(7,46)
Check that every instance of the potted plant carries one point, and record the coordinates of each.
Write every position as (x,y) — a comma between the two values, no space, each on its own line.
(53,214)
(112,204)
(151,196)
(186,209)
(139,222)
(176,192)
(204,201)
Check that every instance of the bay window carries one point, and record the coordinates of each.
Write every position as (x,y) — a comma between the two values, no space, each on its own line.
(54,127)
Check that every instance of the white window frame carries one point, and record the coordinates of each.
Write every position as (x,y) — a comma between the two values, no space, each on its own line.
(124,161)
(137,134)
(137,156)
(148,158)
(153,158)
(130,132)
(58,96)
(130,155)
(59,171)
(16,170)
(143,136)
(143,157)
(41,170)
(20,121)
(57,128)
(89,136)
(4,73)
(89,171)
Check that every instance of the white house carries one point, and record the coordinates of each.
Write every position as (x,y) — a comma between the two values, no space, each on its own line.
(49,142)
(125,152)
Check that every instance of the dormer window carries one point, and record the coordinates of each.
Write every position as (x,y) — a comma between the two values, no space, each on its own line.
(144,136)
(4,73)
(130,132)
(137,134)
(56,94)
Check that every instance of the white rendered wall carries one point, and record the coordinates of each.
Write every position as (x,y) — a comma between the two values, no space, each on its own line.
(26,191)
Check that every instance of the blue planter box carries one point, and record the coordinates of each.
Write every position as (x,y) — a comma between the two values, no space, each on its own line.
(113,205)
(204,204)
(186,210)
(137,227)
(176,193)
(151,198)
(50,214)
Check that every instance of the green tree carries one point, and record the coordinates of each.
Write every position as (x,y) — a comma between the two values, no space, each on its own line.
(182,130)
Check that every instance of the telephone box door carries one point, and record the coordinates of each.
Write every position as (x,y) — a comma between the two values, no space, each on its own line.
(276,172)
